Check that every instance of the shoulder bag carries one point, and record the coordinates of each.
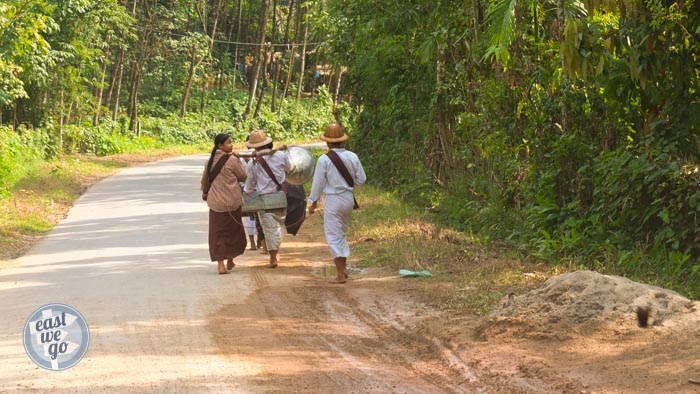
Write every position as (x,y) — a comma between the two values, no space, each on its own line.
(266,202)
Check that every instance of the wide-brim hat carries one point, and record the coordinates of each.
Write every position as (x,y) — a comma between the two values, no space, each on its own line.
(257,139)
(334,133)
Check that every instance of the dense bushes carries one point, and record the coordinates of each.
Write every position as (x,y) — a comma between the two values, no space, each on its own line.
(18,150)
(579,145)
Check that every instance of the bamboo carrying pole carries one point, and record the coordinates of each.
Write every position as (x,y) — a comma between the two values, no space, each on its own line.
(260,153)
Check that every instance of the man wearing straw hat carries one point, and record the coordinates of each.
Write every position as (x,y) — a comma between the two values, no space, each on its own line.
(337,173)
(266,174)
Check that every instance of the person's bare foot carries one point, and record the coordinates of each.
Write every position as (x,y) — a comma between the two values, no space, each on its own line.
(222,269)
(272,265)
(230,264)
(339,280)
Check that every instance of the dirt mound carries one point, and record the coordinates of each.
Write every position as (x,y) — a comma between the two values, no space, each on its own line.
(581,300)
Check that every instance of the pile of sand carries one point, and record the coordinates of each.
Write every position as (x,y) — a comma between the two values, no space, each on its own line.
(581,298)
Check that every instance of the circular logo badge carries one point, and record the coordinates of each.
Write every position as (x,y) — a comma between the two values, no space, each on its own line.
(56,337)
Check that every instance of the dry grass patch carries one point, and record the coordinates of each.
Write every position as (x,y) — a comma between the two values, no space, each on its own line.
(467,275)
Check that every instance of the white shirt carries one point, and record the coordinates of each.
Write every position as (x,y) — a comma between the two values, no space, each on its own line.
(327,178)
(258,180)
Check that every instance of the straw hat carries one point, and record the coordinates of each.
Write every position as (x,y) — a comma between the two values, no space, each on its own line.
(258,139)
(334,133)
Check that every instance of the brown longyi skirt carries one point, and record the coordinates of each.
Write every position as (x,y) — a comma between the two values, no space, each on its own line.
(227,239)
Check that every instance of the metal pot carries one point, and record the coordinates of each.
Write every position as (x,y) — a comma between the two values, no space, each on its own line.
(303,163)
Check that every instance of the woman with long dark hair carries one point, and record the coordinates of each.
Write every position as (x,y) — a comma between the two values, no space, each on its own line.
(222,192)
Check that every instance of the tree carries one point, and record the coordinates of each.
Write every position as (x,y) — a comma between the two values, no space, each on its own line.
(25,55)
(260,57)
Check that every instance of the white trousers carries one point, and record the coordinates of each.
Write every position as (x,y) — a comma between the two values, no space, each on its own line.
(337,213)
(271,223)
(249,225)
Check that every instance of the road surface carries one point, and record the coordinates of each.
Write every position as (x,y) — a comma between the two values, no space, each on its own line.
(131,256)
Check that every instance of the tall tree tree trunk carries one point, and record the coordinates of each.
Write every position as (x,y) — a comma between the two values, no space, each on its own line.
(336,92)
(227,49)
(263,88)
(134,90)
(303,54)
(60,124)
(278,63)
(100,93)
(290,69)
(208,70)
(289,78)
(565,110)
(260,58)
(188,82)
(235,54)
(444,121)
(276,71)
(113,77)
(117,96)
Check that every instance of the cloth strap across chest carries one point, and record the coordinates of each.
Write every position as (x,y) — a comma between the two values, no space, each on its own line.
(338,163)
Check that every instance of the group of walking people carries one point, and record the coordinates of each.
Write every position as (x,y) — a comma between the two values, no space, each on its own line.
(224,181)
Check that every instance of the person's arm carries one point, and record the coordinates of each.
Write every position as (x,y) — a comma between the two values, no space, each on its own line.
(205,179)
(318,184)
(204,182)
(239,171)
(360,176)
(312,207)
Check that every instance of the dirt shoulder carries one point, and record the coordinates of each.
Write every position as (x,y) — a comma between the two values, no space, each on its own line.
(382,333)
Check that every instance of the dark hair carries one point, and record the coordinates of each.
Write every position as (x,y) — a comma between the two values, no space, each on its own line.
(218,140)
(335,145)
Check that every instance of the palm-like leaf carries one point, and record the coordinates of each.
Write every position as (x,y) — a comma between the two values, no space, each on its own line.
(500,19)
(574,9)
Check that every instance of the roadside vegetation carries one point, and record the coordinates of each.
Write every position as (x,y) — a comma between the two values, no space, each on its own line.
(43,176)
(564,132)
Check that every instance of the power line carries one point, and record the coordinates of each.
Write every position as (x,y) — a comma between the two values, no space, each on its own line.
(235,42)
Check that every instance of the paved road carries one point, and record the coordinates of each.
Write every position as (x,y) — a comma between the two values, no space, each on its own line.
(132,257)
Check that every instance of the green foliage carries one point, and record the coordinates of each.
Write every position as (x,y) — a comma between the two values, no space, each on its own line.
(583,146)
(18,151)
(568,129)
(300,120)
(25,54)
(86,139)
